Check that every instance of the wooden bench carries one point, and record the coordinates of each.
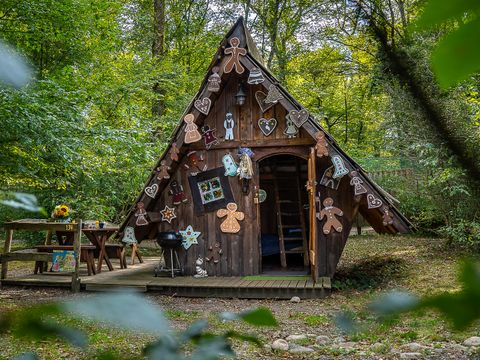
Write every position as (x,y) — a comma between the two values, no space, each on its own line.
(87,255)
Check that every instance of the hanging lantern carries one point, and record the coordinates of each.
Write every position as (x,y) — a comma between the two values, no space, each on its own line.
(240,96)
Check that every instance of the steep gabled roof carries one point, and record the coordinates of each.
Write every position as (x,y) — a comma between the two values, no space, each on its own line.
(254,59)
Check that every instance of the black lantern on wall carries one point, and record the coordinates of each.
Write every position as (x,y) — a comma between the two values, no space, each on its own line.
(240,96)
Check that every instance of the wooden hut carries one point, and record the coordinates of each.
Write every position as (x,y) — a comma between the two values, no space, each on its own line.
(253,181)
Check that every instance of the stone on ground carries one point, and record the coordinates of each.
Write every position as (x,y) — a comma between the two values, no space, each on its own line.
(280,344)
(410,355)
(294,348)
(322,339)
(413,347)
(472,341)
(295,299)
(296,337)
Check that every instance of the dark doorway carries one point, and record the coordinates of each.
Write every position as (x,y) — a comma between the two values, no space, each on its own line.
(283,215)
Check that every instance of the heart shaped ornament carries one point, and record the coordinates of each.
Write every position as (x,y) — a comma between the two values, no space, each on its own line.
(373,202)
(261,97)
(267,125)
(152,190)
(298,117)
(203,105)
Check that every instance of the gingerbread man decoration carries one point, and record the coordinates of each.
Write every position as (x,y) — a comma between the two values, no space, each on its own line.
(141,214)
(176,190)
(163,171)
(387,216)
(235,52)
(329,211)
(230,225)
(215,252)
(322,145)
(191,130)
(209,136)
(193,162)
(174,151)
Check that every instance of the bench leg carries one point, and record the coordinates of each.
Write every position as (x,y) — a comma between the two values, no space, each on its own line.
(123,258)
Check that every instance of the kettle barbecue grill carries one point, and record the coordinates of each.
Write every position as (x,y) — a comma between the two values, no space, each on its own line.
(169,240)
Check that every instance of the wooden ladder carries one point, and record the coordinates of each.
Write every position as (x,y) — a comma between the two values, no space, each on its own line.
(281,214)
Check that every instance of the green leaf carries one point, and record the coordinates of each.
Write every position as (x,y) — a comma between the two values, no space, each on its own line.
(259,317)
(127,310)
(393,303)
(25,202)
(26,356)
(244,337)
(194,330)
(437,12)
(457,55)
(212,349)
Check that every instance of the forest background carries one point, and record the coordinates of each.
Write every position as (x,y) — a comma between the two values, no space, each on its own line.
(113,77)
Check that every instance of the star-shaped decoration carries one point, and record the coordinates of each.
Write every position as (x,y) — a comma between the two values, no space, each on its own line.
(168,214)
(189,237)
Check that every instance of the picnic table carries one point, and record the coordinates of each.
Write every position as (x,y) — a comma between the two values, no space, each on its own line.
(99,237)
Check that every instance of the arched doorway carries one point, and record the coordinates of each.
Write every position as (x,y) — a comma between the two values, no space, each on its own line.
(284,217)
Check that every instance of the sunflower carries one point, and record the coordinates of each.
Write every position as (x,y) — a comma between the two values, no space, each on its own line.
(61,212)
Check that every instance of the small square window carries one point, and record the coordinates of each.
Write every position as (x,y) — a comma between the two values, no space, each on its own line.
(210,190)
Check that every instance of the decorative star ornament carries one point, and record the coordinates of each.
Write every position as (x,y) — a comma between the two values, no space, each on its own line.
(168,214)
(189,237)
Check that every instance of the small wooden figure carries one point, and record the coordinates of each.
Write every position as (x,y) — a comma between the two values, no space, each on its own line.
(214,80)
(273,95)
(141,214)
(203,105)
(230,225)
(209,136)
(193,162)
(151,190)
(329,211)
(373,202)
(229,124)
(234,53)
(291,130)
(256,76)
(163,171)
(168,214)
(176,190)
(189,237)
(267,125)
(215,253)
(174,151)
(298,117)
(356,182)
(191,130)
(387,216)
(340,168)
(200,272)
(322,145)
(231,167)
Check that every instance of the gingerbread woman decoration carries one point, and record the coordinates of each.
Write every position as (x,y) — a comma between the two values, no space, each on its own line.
(209,136)
(176,190)
(235,52)
(230,225)
(387,216)
(191,130)
(330,212)
(174,151)
(141,214)
(163,171)
(322,145)
(214,80)
(356,182)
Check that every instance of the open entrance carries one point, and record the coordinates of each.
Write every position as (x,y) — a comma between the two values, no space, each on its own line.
(284,215)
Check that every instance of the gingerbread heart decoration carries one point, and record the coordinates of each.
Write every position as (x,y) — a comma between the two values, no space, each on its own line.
(373,202)
(298,117)
(203,105)
(261,97)
(152,190)
(267,125)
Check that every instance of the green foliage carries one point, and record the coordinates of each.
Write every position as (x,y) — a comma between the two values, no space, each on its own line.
(115,309)
(464,234)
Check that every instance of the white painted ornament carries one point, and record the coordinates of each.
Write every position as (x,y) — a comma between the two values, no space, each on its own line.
(328,180)
(141,214)
(267,125)
(151,190)
(189,237)
(356,182)
(229,125)
(214,80)
(203,105)
(168,214)
(200,272)
(231,167)
(373,202)
(291,130)
(298,117)
(273,95)
(255,77)
(340,168)
(129,236)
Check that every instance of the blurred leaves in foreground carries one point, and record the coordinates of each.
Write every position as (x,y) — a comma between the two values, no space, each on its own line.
(116,310)
(460,308)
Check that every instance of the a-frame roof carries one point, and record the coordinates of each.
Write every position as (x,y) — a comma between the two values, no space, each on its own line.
(250,60)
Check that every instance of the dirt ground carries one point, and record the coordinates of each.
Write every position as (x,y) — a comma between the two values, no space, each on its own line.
(370,266)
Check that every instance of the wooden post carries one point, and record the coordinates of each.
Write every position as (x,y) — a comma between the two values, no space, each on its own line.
(77,251)
(6,249)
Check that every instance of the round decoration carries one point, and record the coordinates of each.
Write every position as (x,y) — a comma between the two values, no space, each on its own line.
(267,125)
(262,195)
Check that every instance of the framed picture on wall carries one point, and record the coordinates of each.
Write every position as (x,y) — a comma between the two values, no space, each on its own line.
(210,190)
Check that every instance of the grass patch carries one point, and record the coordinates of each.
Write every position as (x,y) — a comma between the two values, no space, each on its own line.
(310,320)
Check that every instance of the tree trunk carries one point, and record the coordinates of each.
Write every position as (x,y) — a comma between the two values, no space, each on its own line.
(158,50)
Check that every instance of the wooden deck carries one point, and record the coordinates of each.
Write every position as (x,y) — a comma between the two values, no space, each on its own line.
(140,277)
